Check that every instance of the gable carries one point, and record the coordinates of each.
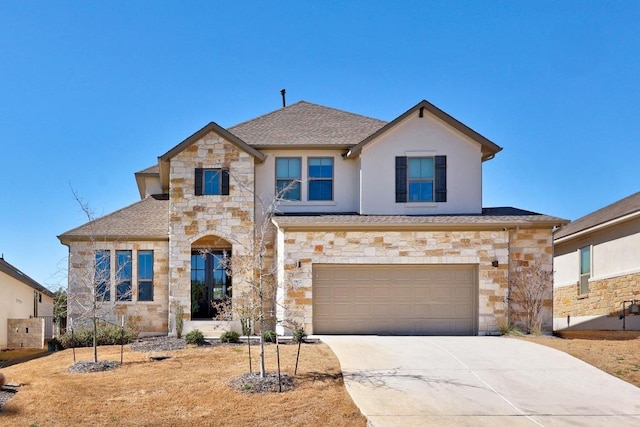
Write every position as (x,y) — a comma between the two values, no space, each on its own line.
(425,109)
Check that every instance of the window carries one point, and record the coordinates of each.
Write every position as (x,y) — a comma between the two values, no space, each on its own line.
(123,275)
(421,179)
(288,174)
(102,275)
(210,282)
(585,269)
(211,182)
(145,275)
(320,178)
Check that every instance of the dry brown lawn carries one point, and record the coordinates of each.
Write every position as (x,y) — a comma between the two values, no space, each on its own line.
(615,352)
(191,388)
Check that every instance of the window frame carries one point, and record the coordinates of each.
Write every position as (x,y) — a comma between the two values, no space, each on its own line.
(124,276)
(289,180)
(584,275)
(102,274)
(311,179)
(421,180)
(142,279)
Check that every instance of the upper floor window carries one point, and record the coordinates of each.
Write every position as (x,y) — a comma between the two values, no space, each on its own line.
(421,179)
(145,275)
(102,275)
(123,275)
(211,181)
(320,178)
(288,175)
(585,269)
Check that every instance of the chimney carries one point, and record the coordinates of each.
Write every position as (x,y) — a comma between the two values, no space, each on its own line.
(284,99)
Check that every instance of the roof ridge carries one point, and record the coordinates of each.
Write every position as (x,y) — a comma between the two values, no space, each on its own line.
(267,114)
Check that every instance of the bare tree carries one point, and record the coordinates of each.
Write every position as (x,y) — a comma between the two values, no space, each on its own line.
(256,302)
(530,293)
(89,299)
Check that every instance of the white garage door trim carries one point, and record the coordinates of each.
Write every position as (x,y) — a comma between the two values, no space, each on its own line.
(387,299)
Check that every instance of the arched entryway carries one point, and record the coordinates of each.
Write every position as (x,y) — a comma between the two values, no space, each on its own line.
(211,285)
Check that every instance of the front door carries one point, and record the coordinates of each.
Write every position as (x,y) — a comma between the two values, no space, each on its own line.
(210,282)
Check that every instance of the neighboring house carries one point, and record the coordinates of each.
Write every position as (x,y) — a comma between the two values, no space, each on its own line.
(383,230)
(597,268)
(22,298)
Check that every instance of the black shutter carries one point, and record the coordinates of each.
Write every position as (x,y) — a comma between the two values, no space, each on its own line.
(198,181)
(225,182)
(441,178)
(401,179)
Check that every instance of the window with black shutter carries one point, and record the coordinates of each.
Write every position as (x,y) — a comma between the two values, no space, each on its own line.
(421,179)
(211,182)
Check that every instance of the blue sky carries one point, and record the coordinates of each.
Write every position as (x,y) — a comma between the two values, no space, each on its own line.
(93,91)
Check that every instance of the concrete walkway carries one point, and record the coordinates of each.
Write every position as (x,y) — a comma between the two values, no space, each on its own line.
(478,381)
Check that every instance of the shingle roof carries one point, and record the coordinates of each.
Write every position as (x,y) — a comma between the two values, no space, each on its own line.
(306,124)
(150,169)
(490,217)
(623,207)
(146,219)
(19,275)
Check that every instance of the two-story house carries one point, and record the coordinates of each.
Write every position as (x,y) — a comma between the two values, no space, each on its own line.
(381,229)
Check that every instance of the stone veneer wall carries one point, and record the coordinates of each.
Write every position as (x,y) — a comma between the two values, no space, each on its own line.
(605,297)
(193,217)
(151,317)
(530,247)
(25,333)
(295,290)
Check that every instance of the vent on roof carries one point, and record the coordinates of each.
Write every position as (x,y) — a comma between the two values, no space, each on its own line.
(283,92)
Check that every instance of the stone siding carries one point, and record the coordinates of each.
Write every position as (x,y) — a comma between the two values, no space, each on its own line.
(605,297)
(225,222)
(25,333)
(150,317)
(298,250)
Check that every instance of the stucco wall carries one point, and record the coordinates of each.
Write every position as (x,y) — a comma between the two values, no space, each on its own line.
(194,217)
(425,136)
(345,182)
(150,316)
(295,291)
(17,302)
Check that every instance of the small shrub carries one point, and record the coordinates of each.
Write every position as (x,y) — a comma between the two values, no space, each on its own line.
(299,335)
(269,336)
(106,335)
(194,337)
(230,336)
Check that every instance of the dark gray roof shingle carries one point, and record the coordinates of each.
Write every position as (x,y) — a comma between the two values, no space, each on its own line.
(306,124)
(490,217)
(146,219)
(610,212)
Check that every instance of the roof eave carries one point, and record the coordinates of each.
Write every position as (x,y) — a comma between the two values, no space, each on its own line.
(597,227)
(318,226)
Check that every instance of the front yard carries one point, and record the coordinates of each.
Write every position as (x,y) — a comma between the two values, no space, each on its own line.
(615,352)
(190,388)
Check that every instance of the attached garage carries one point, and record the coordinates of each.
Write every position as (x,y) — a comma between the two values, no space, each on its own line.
(395,299)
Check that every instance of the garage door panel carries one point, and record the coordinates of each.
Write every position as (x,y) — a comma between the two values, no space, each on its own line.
(395,299)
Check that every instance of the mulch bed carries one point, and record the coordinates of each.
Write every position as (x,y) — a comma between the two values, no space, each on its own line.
(252,383)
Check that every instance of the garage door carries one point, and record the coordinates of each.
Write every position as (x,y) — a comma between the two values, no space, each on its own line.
(395,300)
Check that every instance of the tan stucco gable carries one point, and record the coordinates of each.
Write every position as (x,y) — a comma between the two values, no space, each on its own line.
(489,148)
(163,161)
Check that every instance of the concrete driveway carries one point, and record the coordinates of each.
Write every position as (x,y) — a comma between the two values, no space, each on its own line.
(478,381)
